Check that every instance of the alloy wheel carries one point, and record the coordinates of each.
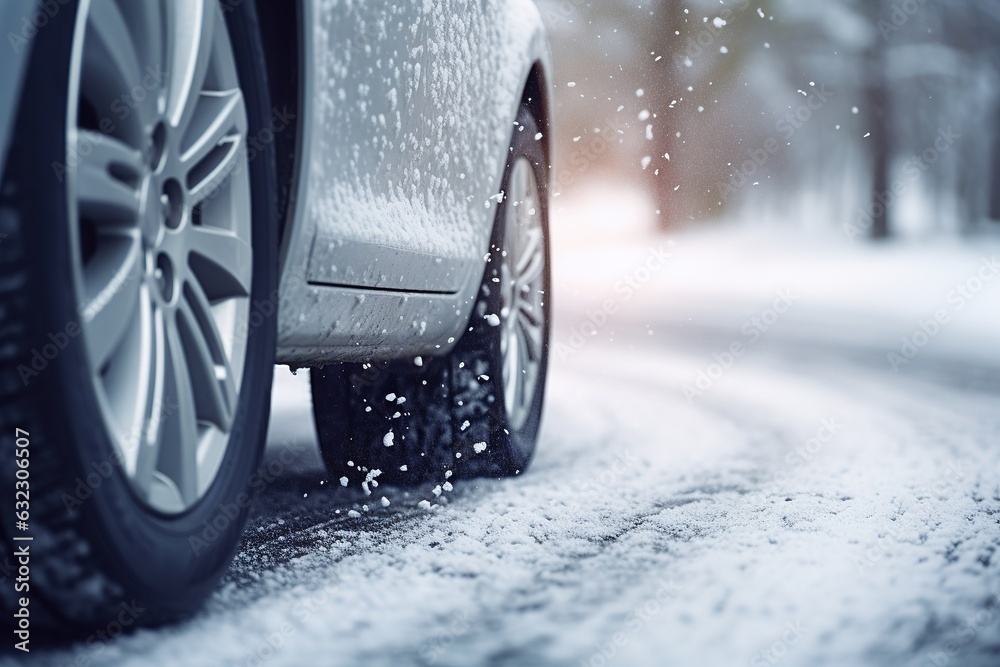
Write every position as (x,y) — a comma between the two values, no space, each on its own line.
(522,292)
(160,218)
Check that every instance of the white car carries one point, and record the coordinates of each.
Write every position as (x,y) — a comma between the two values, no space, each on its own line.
(195,190)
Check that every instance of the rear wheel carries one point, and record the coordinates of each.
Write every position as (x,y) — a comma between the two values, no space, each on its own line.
(477,410)
(137,353)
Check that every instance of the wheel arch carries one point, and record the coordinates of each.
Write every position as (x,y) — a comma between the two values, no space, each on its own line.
(538,98)
(283,27)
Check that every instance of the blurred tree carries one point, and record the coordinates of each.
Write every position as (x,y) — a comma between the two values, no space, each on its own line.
(877,93)
(994,181)
(681,95)
(697,51)
(970,28)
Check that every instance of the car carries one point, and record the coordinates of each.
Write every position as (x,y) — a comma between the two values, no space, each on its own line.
(196,190)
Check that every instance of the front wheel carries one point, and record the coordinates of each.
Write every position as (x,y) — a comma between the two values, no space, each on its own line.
(137,326)
(476,411)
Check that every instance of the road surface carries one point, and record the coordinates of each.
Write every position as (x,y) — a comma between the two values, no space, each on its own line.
(798,503)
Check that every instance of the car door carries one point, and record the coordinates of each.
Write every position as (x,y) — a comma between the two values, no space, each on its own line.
(405,157)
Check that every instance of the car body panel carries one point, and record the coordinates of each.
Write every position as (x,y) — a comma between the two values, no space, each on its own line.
(407,121)
(407,111)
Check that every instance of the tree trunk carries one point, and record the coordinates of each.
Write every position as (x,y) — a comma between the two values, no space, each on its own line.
(881,147)
(994,182)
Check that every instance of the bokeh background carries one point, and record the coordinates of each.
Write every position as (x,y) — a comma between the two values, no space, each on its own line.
(798,113)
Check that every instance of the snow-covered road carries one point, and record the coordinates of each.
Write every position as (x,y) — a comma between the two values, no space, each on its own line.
(801,504)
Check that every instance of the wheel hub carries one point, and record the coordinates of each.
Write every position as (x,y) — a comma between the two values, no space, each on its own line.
(163,220)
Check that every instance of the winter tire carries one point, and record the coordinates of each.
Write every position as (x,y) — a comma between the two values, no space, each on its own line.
(477,410)
(137,306)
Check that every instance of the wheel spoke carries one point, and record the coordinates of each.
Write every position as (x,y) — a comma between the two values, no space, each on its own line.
(156,409)
(146,21)
(530,248)
(511,245)
(522,380)
(526,311)
(222,262)
(532,336)
(214,386)
(108,179)
(521,185)
(111,286)
(112,56)
(178,456)
(512,368)
(190,32)
(213,145)
(529,275)
(505,286)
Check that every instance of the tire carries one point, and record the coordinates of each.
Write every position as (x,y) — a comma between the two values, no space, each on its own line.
(117,541)
(456,415)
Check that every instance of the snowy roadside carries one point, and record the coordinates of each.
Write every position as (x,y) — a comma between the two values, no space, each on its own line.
(803,513)
(936,299)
